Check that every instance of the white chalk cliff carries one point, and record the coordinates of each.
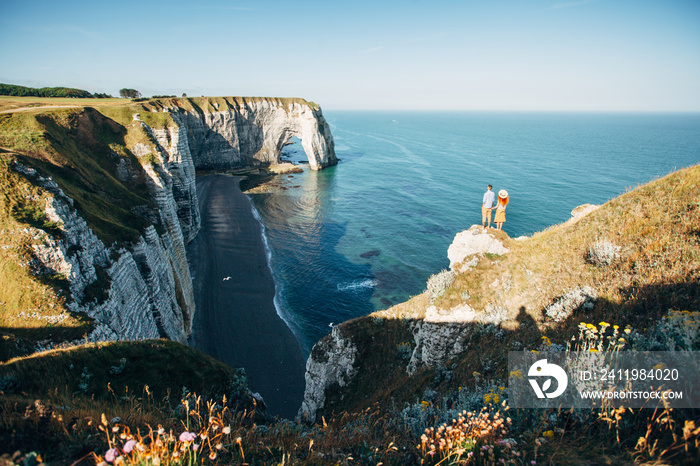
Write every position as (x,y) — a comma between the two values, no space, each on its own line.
(245,132)
(149,291)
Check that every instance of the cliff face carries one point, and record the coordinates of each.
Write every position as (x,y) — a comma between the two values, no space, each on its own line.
(249,132)
(142,288)
(146,286)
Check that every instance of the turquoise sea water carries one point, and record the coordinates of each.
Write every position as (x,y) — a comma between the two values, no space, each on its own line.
(369,232)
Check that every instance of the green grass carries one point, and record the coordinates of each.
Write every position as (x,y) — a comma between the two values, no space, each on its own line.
(165,366)
(76,148)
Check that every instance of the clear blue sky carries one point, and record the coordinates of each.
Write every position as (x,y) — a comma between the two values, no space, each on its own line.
(626,55)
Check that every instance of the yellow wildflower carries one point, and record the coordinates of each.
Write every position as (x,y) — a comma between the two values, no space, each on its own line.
(548,434)
(517,374)
(593,350)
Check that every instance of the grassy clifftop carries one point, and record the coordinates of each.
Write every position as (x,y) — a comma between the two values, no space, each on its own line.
(655,231)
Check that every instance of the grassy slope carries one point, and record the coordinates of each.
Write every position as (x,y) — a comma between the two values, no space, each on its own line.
(658,227)
(141,383)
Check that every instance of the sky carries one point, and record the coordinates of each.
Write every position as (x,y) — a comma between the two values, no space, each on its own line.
(521,55)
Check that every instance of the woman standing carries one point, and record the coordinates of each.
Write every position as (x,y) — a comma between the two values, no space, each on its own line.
(500,217)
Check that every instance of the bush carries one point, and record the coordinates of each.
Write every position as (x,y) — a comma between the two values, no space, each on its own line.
(602,253)
(439,283)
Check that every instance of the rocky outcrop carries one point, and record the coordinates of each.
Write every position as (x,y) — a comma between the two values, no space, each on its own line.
(472,242)
(253,132)
(436,343)
(331,364)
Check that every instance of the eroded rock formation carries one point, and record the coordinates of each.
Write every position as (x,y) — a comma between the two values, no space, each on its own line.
(255,132)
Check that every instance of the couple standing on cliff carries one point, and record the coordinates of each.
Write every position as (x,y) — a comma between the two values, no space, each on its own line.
(487,208)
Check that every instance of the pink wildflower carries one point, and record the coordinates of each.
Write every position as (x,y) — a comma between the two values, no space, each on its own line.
(129,446)
(111,455)
(187,437)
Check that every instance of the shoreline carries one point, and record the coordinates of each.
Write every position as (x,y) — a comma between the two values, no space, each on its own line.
(237,320)
(268,255)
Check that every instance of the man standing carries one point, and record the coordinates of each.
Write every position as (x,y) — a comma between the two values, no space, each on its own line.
(487,206)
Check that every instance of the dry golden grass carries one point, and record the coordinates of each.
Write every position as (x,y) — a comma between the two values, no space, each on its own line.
(656,226)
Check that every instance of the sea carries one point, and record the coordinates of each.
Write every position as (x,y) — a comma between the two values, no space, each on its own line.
(369,232)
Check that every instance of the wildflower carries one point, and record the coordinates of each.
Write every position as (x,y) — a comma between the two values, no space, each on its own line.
(534,351)
(659,366)
(616,327)
(533,462)
(517,374)
(604,324)
(195,447)
(129,446)
(187,437)
(496,399)
(548,434)
(487,398)
(593,350)
(227,430)
(212,455)
(111,455)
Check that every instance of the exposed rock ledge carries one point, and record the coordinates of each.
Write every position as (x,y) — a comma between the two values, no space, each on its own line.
(331,363)
(474,241)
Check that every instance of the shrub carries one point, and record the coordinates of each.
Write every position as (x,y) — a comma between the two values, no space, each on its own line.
(602,253)
(439,283)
